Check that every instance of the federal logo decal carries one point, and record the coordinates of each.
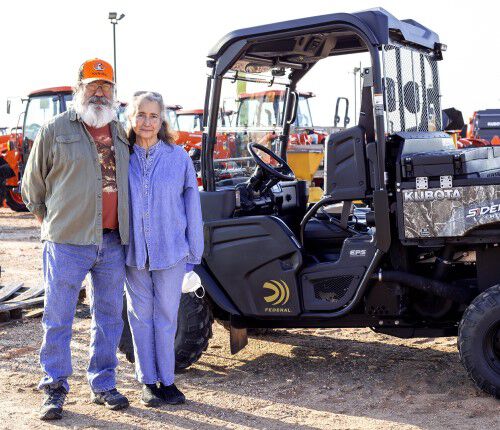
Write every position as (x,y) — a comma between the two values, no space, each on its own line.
(280,292)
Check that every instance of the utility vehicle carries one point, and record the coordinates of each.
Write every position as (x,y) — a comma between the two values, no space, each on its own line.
(419,256)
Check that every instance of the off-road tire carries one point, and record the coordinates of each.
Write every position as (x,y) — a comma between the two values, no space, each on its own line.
(478,345)
(194,329)
(13,204)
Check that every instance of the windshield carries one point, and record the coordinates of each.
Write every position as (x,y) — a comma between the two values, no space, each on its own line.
(68,102)
(190,122)
(266,110)
(303,113)
(38,112)
(257,96)
(172,119)
(257,108)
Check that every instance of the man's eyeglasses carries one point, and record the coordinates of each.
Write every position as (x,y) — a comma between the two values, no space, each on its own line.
(105,87)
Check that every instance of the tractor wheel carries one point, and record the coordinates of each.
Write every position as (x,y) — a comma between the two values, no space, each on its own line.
(15,201)
(194,329)
(479,340)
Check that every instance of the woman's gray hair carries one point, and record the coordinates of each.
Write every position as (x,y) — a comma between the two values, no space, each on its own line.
(165,134)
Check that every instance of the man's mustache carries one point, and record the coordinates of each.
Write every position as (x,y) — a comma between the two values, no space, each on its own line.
(99,100)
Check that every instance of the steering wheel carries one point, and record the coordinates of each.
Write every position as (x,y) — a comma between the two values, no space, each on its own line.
(282,172)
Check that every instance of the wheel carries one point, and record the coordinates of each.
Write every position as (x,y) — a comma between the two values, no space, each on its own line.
(15,201)
(479,340)
(194,329)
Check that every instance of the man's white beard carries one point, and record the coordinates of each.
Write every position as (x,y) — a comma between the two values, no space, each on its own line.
(97,115)
(92,114)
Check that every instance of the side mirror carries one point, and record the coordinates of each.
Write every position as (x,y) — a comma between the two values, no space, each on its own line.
(336,117)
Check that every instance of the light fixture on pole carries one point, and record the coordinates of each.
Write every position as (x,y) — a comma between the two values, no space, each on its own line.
(114,18)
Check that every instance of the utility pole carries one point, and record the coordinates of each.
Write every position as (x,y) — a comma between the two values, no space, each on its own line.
(114,18)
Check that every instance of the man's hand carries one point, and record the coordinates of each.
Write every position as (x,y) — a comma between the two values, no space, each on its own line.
(39,218)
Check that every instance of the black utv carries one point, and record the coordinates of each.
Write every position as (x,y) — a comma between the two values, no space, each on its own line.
(405,239)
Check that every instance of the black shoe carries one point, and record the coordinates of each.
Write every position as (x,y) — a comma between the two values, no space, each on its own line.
(151,395)
(52,406)
(171,394)
(112,399)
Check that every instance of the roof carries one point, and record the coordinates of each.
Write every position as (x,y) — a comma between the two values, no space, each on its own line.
(190,112)
(52,90)
(173,107)
(488,112)
(377,24)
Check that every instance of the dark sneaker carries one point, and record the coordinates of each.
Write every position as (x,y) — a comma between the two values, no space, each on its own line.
(151,395)
(112,399)
(52,406)
(171,394)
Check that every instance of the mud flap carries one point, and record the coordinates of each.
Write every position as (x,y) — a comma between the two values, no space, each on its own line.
(238,339)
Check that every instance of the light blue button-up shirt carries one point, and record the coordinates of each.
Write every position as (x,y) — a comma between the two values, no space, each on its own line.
(166,225)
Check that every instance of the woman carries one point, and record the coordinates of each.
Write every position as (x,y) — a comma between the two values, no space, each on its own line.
(166,240)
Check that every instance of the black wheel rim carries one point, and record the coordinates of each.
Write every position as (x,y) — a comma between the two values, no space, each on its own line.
(492,347)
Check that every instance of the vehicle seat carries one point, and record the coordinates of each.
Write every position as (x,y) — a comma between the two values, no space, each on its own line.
(324,239)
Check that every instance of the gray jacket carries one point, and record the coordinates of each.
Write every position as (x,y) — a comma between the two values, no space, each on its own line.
(62,181)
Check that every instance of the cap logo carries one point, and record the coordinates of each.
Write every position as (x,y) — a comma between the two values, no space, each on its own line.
(99,67)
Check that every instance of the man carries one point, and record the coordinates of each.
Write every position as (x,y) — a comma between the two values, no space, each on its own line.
(76,185)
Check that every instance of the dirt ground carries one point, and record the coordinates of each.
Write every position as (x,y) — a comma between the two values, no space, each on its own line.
(294,379)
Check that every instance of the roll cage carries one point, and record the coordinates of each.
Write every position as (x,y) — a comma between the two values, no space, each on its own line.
(296,46)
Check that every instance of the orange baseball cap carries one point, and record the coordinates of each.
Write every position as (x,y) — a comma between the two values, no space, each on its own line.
(96,70)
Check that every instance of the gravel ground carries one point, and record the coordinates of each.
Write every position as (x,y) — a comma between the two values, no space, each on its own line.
(290,379)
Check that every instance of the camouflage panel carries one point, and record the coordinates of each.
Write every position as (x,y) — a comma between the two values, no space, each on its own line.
(449,212)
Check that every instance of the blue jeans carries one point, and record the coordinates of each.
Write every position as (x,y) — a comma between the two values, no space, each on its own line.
(65,267)
(153,299)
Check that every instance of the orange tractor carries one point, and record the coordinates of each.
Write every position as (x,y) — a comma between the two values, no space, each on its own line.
(10,157)
(41,105)
(256,119)
(483,129)
(188,126)
(256,116)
